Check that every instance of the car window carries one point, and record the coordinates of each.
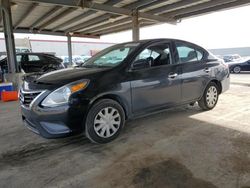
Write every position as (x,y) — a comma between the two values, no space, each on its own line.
(157,54)
(34,58)
(18,58)
(112,56)
(187,53)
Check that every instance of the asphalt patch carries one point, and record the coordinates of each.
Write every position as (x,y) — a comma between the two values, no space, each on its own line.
(171,174)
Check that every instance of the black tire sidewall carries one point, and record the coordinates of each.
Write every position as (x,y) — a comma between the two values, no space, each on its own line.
(205,95)
(238,67)
(89,124)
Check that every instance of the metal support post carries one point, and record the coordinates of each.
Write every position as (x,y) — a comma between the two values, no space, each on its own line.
(9,36)
(135,26)
(69,49)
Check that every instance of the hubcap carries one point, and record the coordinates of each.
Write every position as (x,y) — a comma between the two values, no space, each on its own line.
(107,122)
(212,96)
(236,69)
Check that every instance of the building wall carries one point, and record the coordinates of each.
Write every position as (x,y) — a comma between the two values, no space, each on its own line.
(244,51)
(2,45)
(60,48)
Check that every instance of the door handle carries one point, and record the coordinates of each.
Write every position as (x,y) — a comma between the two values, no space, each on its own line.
(207,70)
(172,75)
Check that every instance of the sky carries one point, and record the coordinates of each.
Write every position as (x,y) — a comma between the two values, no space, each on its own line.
(224,29)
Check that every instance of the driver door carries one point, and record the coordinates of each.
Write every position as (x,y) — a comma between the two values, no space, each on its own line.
(158,85)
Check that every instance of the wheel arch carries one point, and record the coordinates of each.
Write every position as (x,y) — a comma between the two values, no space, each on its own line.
(218,83)
(114,97)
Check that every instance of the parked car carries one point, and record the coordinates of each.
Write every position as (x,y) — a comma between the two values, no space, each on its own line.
(2,57)
(76,60)
(22,50)
(97,98)
(34,62)
(85,57)
(231,58)
(65,60)
(238,66)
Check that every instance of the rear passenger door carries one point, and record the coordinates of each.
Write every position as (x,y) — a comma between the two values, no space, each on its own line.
(246,66)
(195,73)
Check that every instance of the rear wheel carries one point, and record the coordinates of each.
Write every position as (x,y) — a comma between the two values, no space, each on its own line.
(210,97)
(105,121)
(237,69)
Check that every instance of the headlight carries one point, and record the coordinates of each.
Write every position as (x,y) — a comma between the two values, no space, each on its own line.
(62,94)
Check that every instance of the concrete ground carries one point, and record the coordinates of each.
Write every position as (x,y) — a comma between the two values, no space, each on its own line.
(182,147)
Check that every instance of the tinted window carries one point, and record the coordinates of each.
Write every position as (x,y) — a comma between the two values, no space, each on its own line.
(34,58)
(18,58)
(112,56)
(188,54)
(158,54)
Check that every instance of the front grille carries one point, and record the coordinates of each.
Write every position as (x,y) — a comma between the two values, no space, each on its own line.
(27,97)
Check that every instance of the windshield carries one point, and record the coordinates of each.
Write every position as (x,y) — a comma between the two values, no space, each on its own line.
(111,56)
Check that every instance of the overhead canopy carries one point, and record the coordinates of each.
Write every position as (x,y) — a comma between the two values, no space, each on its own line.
(99,17)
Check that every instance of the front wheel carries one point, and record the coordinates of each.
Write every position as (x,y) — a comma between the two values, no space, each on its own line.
(104,121)
(210,97)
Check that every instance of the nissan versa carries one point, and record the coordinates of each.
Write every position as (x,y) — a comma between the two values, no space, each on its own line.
(119,83)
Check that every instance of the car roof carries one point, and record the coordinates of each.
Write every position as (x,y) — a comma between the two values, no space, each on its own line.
(159,40)
(145,41)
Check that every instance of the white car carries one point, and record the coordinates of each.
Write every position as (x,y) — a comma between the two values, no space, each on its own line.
(22,50)
(76,60)
(85,57)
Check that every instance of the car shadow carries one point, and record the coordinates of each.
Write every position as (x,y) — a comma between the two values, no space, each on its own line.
(36,151)
(140,157)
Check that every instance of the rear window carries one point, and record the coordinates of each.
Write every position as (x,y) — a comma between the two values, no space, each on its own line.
(34,58)
(188,53)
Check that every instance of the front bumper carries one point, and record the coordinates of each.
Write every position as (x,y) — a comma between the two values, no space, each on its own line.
(53,122)
(47,125)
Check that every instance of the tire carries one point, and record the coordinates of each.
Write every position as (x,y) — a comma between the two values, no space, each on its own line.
(210,97)
(104,121)
(237,69)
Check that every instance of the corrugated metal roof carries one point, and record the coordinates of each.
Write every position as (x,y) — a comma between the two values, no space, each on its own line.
(63,17)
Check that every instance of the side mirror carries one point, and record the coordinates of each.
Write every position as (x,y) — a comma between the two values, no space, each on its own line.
(141,64)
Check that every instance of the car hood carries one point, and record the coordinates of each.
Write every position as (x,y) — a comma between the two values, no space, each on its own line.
(64,76)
